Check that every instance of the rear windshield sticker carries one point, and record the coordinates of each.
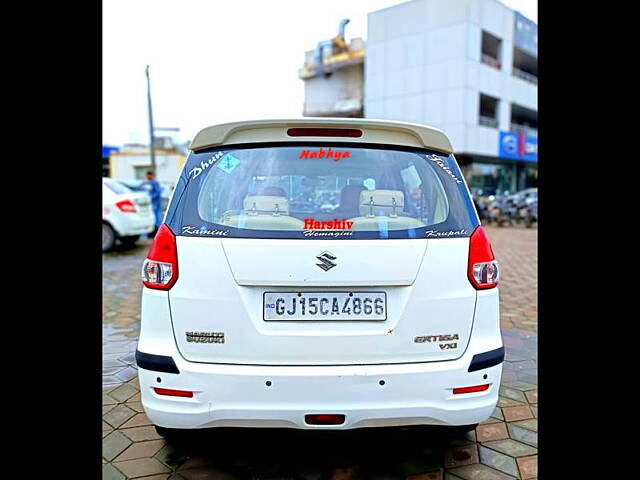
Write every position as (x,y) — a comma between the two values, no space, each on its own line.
(204,164)
(335,227)
(370,183)
(334,155)
(228,163)
(450,233)
(443,166)
(203,231)
(330,233)
(335,224)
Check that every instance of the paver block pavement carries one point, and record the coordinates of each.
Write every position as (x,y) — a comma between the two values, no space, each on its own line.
(513,414)
(141,450)
(528,467)
(141,467)
(139,420)
(114,444)
(459,456)
(118,415)
(480,472)
(523,435)
(427,476)
(492,431)
(123,393)
(499,461)
(139,434)
(109,472)
(530,424)
(511,447)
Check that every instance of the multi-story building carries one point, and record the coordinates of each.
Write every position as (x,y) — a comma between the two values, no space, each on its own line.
(333,77)
(468,67)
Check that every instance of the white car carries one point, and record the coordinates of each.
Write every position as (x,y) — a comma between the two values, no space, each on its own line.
(382,312)
(125,214)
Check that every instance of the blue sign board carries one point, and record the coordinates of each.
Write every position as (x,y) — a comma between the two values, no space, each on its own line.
(518,147)
(106,150)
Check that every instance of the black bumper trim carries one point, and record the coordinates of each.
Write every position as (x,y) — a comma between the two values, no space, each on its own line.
(487,359)
(156,363)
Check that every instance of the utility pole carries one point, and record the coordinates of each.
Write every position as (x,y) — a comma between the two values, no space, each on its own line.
(153,155)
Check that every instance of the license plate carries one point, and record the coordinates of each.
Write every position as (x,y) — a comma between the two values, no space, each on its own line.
(325,306)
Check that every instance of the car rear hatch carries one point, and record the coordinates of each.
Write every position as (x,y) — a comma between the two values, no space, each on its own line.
(381,278)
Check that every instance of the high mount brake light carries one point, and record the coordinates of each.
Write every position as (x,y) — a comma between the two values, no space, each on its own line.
(126,206)
(483,270)
(324,132)
(160,268)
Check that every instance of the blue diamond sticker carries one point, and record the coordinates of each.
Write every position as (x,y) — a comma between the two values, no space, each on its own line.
(228,163)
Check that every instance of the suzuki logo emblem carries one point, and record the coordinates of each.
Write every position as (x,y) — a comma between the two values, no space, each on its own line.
(326,262)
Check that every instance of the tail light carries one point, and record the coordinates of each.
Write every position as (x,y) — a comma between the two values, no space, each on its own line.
(126,206)
(160,269)
(483,270)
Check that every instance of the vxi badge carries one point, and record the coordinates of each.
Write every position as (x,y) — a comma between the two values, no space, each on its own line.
(440,338)
(326,261)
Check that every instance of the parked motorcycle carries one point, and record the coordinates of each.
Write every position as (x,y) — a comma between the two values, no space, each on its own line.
(502,211)
(530,214)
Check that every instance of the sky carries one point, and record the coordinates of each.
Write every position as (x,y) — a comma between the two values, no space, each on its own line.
(215,61)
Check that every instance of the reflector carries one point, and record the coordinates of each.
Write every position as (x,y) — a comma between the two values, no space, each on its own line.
(476,388)
(324,419)
(173,393)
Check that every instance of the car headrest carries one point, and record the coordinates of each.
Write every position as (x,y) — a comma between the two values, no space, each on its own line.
(381,202)
(271,192)
(266,204)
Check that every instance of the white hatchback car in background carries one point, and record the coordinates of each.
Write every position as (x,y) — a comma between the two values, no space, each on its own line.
(125,214)
(262,307)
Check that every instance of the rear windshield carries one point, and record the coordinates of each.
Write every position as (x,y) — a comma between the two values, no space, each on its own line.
(321,191)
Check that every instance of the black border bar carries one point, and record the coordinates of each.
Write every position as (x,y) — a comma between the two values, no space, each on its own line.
(487,359)
(156,363)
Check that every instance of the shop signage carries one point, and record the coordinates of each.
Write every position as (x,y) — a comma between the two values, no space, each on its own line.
(518,147)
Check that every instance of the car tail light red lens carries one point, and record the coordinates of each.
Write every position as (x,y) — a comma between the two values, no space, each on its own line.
(483,269)
(324,419)
(173,393)
(475,388)
(324,132)
(160,269)
(126,206)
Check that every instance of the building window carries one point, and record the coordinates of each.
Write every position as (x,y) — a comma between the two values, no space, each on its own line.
(488,111)
(525,66)
(491,50)
(140,171)
(524,121)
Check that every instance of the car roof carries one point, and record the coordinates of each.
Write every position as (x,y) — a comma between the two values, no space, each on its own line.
(373,131)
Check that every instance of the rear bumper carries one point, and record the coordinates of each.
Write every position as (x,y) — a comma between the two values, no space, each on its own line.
(368,395)
(133,224)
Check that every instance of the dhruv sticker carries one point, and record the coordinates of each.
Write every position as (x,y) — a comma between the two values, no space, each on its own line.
(204,164)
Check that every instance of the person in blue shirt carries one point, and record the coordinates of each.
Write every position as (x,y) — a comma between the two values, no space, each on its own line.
(154,189)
